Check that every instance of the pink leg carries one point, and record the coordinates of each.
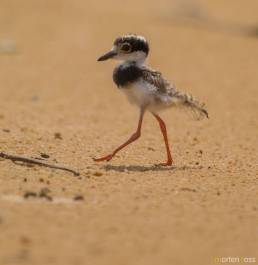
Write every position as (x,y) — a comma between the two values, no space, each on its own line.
(164,132)
(133,138)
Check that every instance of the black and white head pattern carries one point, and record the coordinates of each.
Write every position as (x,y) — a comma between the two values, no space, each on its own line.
(131,47)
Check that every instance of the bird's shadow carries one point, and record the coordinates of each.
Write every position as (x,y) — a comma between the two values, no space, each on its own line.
(154,168)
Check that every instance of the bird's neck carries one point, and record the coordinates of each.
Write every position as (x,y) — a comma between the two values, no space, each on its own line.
(138,63)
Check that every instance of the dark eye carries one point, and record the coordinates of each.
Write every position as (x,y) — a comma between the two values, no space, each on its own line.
(126,47)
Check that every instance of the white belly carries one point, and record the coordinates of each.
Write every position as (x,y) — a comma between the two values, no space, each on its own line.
(142,93)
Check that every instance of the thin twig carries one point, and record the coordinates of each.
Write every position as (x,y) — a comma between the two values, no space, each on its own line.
(36,162)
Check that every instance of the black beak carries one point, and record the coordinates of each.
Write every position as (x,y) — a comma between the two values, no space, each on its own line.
(108,55)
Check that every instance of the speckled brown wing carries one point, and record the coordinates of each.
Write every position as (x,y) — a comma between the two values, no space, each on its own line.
(176,97)
(155,78)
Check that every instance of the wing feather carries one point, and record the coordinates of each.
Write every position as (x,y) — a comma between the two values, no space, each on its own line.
(164,88)
(156,79)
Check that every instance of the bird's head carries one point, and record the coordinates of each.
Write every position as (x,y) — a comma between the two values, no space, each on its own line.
(129,48)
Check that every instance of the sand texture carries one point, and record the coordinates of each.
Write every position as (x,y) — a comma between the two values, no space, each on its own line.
(57,103)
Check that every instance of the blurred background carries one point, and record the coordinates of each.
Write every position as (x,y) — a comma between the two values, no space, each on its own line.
(50,82)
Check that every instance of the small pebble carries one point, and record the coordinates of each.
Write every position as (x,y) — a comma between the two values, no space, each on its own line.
(44,191)
(43,155)
(28,194)
(188,189)
(151,148)
(58,135)
(97,174)
(78,198)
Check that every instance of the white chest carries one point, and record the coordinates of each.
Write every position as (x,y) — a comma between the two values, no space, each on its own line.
(141,93)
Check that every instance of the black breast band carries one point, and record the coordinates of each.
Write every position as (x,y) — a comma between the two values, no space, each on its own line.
(125,74)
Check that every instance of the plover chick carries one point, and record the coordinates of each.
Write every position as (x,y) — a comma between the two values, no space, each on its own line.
(146,88)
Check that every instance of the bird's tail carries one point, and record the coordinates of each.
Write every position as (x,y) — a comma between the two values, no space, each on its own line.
(191,104)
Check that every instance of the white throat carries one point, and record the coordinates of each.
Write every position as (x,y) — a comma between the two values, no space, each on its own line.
(138,57)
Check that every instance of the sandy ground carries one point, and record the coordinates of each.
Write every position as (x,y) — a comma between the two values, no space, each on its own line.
(56,99)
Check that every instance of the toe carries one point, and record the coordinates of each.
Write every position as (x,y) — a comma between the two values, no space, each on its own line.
(104,158)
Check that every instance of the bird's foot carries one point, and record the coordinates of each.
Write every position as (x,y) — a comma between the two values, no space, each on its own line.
(165,164)
(104,158)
